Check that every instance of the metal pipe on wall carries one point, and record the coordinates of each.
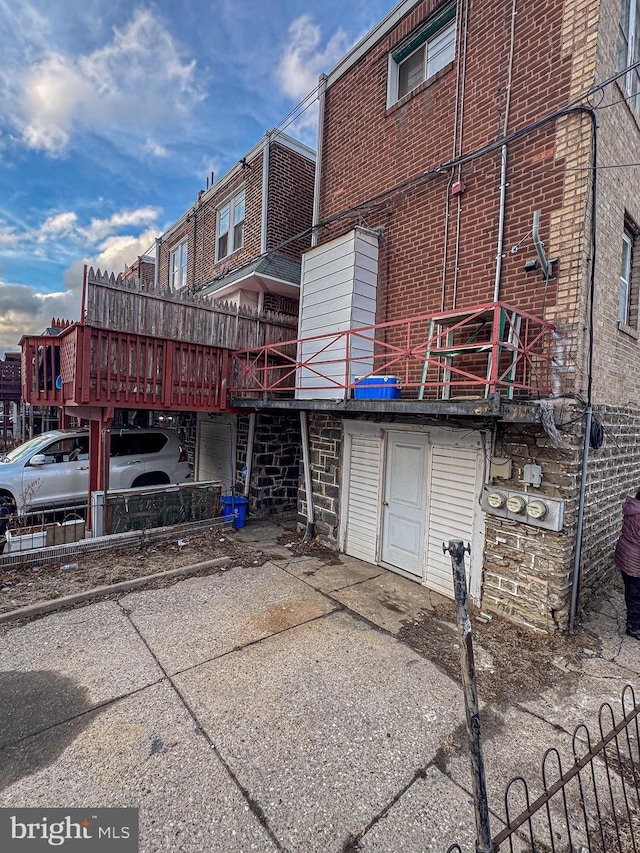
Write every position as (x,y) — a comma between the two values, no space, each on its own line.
(322,88)
(265,192)
(310,531)
(249,456)
(503,159)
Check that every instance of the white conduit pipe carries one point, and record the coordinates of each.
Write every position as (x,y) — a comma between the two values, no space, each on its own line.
(306,463)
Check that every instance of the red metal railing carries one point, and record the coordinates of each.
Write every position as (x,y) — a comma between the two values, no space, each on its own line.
(90,366)
(474,351)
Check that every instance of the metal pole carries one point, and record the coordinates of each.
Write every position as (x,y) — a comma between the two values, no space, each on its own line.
(575,580)
(483,832)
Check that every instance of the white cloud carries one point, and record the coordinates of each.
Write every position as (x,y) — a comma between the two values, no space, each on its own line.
(303,58)
(156,149)
(23,311)
(60,223)
(116,252)
(103,90)
(99,229)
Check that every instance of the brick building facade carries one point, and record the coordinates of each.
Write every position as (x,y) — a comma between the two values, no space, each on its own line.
(441,134)
(253,210)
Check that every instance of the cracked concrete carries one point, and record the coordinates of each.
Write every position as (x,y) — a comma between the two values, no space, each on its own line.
(275,708)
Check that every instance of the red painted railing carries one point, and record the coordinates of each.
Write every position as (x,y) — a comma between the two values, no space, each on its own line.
(90,366)
(474,351)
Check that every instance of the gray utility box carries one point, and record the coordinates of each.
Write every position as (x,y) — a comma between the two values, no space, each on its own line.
(527,507)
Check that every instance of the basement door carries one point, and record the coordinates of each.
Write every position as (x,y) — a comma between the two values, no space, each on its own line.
(405,501)
(215,449)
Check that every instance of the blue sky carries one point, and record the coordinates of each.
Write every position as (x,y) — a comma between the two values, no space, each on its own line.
(113,114)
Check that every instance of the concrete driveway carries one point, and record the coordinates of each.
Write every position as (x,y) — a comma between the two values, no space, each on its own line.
(268,708)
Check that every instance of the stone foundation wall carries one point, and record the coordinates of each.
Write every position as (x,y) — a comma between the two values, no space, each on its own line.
(325,440)
(275,471)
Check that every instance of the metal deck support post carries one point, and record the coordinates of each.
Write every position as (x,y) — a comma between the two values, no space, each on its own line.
(483,832)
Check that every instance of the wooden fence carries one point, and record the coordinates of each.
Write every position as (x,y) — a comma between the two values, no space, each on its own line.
(129,305)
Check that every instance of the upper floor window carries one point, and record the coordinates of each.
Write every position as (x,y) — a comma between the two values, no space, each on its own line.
(230,231)
(624,300)
(423,53)
(628,49)
(178,266)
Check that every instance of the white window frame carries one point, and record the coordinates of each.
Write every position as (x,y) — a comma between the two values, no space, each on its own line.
(628,49)
(178,261)
(624,293)
(432,46)
(235,239)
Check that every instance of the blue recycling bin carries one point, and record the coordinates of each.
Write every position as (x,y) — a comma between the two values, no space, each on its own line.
(234,507)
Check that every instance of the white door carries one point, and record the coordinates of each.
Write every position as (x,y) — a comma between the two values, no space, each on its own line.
(363,498)
(404,504)
(216,450)
(454,485)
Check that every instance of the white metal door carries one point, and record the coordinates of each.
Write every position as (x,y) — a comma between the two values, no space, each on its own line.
(216,449)
(361,534)
(453,507)
(404,506)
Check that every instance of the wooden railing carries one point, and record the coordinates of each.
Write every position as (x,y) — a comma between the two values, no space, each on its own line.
(90,366)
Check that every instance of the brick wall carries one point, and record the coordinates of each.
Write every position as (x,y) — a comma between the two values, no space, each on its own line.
(291,178)
(423,268)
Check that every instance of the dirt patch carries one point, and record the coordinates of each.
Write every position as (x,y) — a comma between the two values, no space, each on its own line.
(21,586)
(314,548)
(512,662)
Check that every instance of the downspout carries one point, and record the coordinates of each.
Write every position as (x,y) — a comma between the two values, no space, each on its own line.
(310,530)
(249,457)
(322,88)
(265,192)
(465,23)
(503,160)
(575,583)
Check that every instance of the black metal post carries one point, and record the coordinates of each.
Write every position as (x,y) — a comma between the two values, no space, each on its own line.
(483,832)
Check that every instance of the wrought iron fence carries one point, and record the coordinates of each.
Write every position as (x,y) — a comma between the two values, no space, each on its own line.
(593,806)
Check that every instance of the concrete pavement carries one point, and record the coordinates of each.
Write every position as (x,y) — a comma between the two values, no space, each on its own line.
(269,708)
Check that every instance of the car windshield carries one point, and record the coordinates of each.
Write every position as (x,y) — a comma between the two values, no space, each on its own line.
(25,450)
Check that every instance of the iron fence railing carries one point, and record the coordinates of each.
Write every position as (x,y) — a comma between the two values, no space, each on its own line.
(476,351)
(593,805)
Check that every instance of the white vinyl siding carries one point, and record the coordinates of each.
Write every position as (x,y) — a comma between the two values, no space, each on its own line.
(338,292)
(452,507)
(363,498)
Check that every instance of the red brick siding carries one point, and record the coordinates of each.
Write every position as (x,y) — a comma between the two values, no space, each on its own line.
(291,179)
(369,149)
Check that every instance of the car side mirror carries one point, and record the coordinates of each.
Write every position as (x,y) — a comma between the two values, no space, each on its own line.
(38,459)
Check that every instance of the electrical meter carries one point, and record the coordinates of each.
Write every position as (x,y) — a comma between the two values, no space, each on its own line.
(516,504)
(536,509)
(496,500)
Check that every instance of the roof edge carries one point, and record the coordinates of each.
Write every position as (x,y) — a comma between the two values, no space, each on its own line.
(368,41)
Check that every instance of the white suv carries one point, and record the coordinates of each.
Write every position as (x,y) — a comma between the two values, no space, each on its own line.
(52,470)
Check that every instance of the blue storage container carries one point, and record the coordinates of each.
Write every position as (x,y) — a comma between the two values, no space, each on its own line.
(234,507)
(388,388)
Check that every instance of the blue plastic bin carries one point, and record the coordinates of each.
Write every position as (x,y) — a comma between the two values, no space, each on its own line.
(236,508)
(388,388)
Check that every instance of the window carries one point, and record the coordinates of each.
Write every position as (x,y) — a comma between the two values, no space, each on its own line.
(178,268)
(624,299)
(628,49)
(423,53)
(230,236)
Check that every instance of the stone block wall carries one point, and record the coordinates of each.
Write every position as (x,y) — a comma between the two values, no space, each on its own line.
(326,441)
(275,469)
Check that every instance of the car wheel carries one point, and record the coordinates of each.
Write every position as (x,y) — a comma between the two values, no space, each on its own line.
(7,509)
